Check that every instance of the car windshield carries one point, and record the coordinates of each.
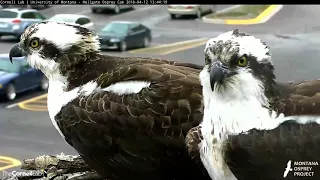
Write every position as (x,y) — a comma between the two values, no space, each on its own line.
(8,14)
(5,65)
(62,19)
(119,28)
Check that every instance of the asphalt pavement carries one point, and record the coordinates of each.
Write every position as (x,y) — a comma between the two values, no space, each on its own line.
(292,35)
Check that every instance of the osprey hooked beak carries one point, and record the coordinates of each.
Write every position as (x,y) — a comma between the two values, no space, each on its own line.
(15,51)
(218,72)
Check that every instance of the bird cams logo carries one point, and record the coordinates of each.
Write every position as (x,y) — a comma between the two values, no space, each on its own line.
(301,168)
(32,173)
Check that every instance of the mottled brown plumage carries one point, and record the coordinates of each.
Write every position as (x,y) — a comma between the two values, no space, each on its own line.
(263,154)
(299,98)
(134,136)
(193,139)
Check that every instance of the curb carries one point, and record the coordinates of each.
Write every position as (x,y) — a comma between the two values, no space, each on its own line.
(262,18)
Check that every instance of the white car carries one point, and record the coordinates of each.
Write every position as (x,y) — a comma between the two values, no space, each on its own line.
(197,10)
(81,20)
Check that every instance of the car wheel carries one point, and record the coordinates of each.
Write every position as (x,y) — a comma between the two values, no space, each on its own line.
(117,10)
(199,14)
(123,46)
(44,84)
(11,92)
(146,42)
(173,16)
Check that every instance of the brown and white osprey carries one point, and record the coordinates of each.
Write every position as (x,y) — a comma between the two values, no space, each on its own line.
(252,126)
(126,117)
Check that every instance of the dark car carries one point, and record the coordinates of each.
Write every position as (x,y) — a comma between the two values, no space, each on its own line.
(19,77)
(123,35)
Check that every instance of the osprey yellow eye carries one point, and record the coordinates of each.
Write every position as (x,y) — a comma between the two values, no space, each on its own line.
(34,43)
(242,62)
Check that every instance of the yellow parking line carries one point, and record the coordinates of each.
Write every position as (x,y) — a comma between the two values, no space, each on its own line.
(13,162)
(186,47)
(34,107)
(24,104)
(255,20)
(4,161)
(41,101)
(34,99)
(171,48)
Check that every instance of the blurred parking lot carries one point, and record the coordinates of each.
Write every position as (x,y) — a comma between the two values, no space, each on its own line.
(292,34)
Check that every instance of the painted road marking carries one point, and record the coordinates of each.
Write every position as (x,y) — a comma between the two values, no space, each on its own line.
(38,103)
(21,104)
(34,107)
(171,48)
(9,162)
(261,18)
(12,105)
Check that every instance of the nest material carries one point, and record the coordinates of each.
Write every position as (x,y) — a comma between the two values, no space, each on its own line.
(58,167)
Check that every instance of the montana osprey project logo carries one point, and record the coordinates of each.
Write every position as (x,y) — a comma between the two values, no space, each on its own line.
(288,168)
(301,168)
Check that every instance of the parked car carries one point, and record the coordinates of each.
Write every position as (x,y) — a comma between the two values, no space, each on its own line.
(115,8)
(197,10)
(124,34)
(81,20)
(14,21)
(19,77)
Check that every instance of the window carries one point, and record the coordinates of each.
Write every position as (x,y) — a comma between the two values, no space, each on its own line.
(39,16)
(28,15)
(83,21)
(119,28)
(133,26)
(8,14)
(5,65)
(138,28)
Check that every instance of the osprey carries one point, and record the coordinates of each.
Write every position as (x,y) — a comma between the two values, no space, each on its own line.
(126,117)
(252,126)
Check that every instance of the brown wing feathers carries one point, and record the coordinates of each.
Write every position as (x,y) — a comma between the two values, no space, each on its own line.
(301,98)
(150,125)
(174,95)
(193,139)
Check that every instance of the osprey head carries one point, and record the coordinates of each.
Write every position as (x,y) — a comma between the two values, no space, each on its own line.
(45,45)
(237,64)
